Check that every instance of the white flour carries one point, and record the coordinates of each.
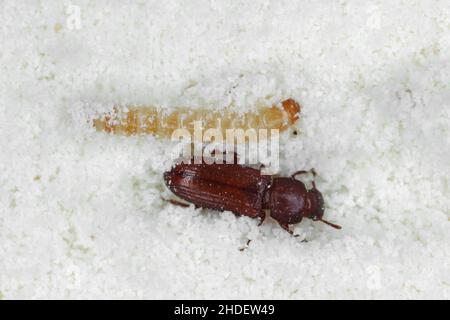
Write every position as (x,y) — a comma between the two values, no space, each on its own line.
(80,211)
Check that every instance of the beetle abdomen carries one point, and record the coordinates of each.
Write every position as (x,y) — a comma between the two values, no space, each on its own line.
(230,187)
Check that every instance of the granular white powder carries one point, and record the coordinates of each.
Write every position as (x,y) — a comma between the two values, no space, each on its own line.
(80,211)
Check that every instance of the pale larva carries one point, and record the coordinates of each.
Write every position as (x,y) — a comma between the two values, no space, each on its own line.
(142,120)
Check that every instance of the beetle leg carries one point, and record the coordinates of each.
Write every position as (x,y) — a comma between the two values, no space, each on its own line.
(297,173)
(176,202)
(312,171)
(263,217)
(246,246)
(286,227)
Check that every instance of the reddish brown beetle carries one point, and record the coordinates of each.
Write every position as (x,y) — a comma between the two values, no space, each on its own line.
(245,191)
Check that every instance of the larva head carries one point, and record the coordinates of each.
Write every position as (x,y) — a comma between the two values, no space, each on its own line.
(292,109)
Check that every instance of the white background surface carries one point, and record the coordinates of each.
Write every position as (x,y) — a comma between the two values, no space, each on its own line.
(80,212)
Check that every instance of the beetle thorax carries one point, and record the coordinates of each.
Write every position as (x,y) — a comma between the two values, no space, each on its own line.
(287,200)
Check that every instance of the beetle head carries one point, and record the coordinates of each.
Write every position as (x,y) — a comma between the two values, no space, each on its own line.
(315,207)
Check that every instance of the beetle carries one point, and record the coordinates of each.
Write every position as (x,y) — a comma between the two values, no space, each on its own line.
(243,190)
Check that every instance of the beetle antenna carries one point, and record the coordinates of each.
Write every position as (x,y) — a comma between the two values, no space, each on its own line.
(331,224)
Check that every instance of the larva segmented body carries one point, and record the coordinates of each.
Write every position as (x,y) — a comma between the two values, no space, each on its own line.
(154,121)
